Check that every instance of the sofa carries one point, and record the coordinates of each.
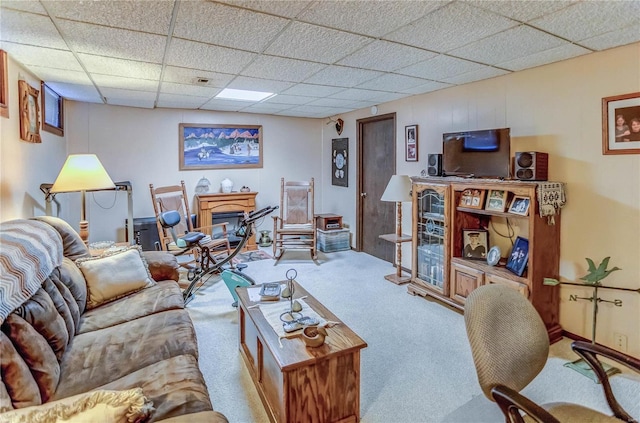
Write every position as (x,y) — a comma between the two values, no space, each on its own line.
(88,338)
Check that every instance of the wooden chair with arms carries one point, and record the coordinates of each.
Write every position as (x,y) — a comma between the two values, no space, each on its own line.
(295,227)
(510,346)
(174,197)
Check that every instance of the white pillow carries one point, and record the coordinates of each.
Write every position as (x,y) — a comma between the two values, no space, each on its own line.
(96,407)
(113,276)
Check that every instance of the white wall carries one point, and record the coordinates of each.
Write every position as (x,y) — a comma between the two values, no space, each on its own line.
(142,146)
(24,165)
(555,109)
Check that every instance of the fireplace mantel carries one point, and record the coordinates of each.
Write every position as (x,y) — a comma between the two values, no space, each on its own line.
(231,202)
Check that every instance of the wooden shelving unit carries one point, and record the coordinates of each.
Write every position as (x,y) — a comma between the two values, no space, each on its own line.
(460,276)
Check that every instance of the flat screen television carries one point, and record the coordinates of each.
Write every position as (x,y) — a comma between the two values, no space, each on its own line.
(483,153)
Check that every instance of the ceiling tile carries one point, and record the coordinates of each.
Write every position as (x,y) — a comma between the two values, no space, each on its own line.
(312,90)
(615,38)
(110,81)
(588,19)
(207,57)
(266,108)
(342,76)
(289,99)
(145,16)
(565,51)
(477,75)
(25,6)
(439,68)
(60,75)
(119,43)
(392,83)
(192,90)
(180,101)
(30,55)
(285,8)
(118,97)
(354,94)
(226,26)
(452,26)
(76,92)
(383,97)
(510,44)
(278,68)
(190,76)
(385,56)
(428,87)
(315,43)
(256,84)
(522,11)
(228,105)
(331,102)
(31,29)
(120,67)
(376,19)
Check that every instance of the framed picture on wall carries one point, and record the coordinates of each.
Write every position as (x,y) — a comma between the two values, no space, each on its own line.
(411,143)
(204,146)
(340,162)
(621,124)
(29,112)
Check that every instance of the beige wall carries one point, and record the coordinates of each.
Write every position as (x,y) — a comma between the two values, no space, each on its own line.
(554,108)
(23,165)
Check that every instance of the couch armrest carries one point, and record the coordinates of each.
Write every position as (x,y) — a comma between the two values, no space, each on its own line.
(162,265)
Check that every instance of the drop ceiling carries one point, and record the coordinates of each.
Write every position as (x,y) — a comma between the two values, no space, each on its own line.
(321,58)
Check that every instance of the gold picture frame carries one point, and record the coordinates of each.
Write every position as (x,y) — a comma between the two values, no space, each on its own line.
(496,200)
(620,116)
(472,198)
(29,112)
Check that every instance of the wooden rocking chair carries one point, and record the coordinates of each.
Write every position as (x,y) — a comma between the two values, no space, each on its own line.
(295,228)
(175,197)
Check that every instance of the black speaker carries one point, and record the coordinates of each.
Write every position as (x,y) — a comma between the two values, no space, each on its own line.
(434,165)
(532,166)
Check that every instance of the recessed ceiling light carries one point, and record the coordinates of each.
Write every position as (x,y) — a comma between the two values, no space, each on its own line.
(244,95)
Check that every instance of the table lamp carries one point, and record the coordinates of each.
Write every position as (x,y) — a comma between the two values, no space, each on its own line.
(398,190)
(82,172)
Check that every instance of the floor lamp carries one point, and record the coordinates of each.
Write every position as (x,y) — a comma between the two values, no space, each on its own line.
(398,190)
(82,172)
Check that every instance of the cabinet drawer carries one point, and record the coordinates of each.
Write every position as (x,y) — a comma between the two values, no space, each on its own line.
(520,287)
(465,279)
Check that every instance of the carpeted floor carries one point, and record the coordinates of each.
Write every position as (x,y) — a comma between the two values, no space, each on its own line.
(417,366)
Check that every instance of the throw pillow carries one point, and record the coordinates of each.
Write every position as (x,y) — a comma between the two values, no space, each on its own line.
(113,276)
(96,407)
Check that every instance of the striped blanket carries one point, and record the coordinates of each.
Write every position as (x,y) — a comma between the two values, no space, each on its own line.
(29,251)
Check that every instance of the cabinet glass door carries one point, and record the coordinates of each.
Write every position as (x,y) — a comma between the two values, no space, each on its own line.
(431,235)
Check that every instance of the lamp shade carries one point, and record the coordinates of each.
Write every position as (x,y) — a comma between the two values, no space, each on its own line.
(398,189)
(82,172)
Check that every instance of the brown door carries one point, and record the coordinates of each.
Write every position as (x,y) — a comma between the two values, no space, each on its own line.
(376,165)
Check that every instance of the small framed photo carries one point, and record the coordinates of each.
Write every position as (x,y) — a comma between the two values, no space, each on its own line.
(496,200)
(621,124)
(411,143)
(520,205)
(476,244)
(519,256)
(472,198)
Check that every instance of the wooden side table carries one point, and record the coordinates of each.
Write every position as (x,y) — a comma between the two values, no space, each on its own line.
(397,278)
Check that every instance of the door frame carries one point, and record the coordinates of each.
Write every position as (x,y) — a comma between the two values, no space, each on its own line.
(359,178)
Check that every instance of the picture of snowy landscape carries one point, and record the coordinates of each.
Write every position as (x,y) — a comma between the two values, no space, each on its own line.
(220,146)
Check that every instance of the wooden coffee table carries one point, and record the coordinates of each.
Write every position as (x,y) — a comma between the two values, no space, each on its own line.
(298,383)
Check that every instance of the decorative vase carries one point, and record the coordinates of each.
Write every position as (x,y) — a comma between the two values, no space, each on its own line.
(226,186)
(265,239)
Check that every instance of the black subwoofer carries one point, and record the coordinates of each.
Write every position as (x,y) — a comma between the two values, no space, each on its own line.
(531,166)
(434,165)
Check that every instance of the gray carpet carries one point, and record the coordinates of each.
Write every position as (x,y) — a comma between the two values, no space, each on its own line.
(417,366)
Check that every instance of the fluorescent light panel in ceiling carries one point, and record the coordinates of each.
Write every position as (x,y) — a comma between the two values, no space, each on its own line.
(243,95)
